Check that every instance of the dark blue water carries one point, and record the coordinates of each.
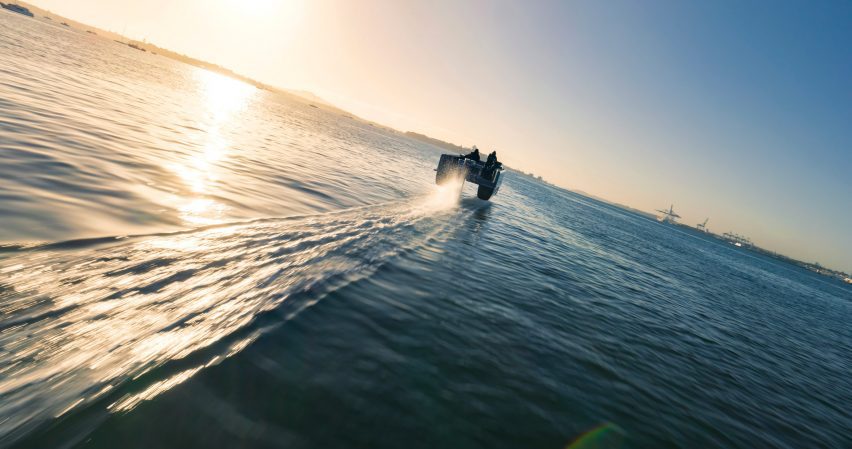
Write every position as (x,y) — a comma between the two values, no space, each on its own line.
(185,265)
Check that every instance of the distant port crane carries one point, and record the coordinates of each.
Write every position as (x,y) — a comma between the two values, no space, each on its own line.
(703,226)
(669,216)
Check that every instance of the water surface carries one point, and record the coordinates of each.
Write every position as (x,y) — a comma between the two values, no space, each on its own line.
(188,261)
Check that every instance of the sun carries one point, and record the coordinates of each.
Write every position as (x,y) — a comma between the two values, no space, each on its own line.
(258,8)
(247,17)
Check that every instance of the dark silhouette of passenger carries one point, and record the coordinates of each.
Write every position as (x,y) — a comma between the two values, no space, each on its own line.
(491,165)
(491,159)
(473,155)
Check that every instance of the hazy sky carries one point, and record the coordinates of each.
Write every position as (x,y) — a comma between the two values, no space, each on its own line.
(738,111)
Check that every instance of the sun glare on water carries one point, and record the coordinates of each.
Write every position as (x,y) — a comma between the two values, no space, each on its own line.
(223,99)
(224,96)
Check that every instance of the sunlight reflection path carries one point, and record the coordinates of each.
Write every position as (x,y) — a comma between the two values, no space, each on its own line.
(224,100)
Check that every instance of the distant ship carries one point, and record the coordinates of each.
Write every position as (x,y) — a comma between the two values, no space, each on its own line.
(16,8)
(669,216)
(737,240)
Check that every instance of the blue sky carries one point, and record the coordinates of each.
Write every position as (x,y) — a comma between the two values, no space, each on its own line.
(737,111)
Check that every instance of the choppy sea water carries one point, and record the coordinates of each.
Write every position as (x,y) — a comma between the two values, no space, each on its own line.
(188,261)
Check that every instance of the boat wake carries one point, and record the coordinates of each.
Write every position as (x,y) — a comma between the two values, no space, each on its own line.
(80,319)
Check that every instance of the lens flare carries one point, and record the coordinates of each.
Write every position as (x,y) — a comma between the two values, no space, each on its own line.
(604,436)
